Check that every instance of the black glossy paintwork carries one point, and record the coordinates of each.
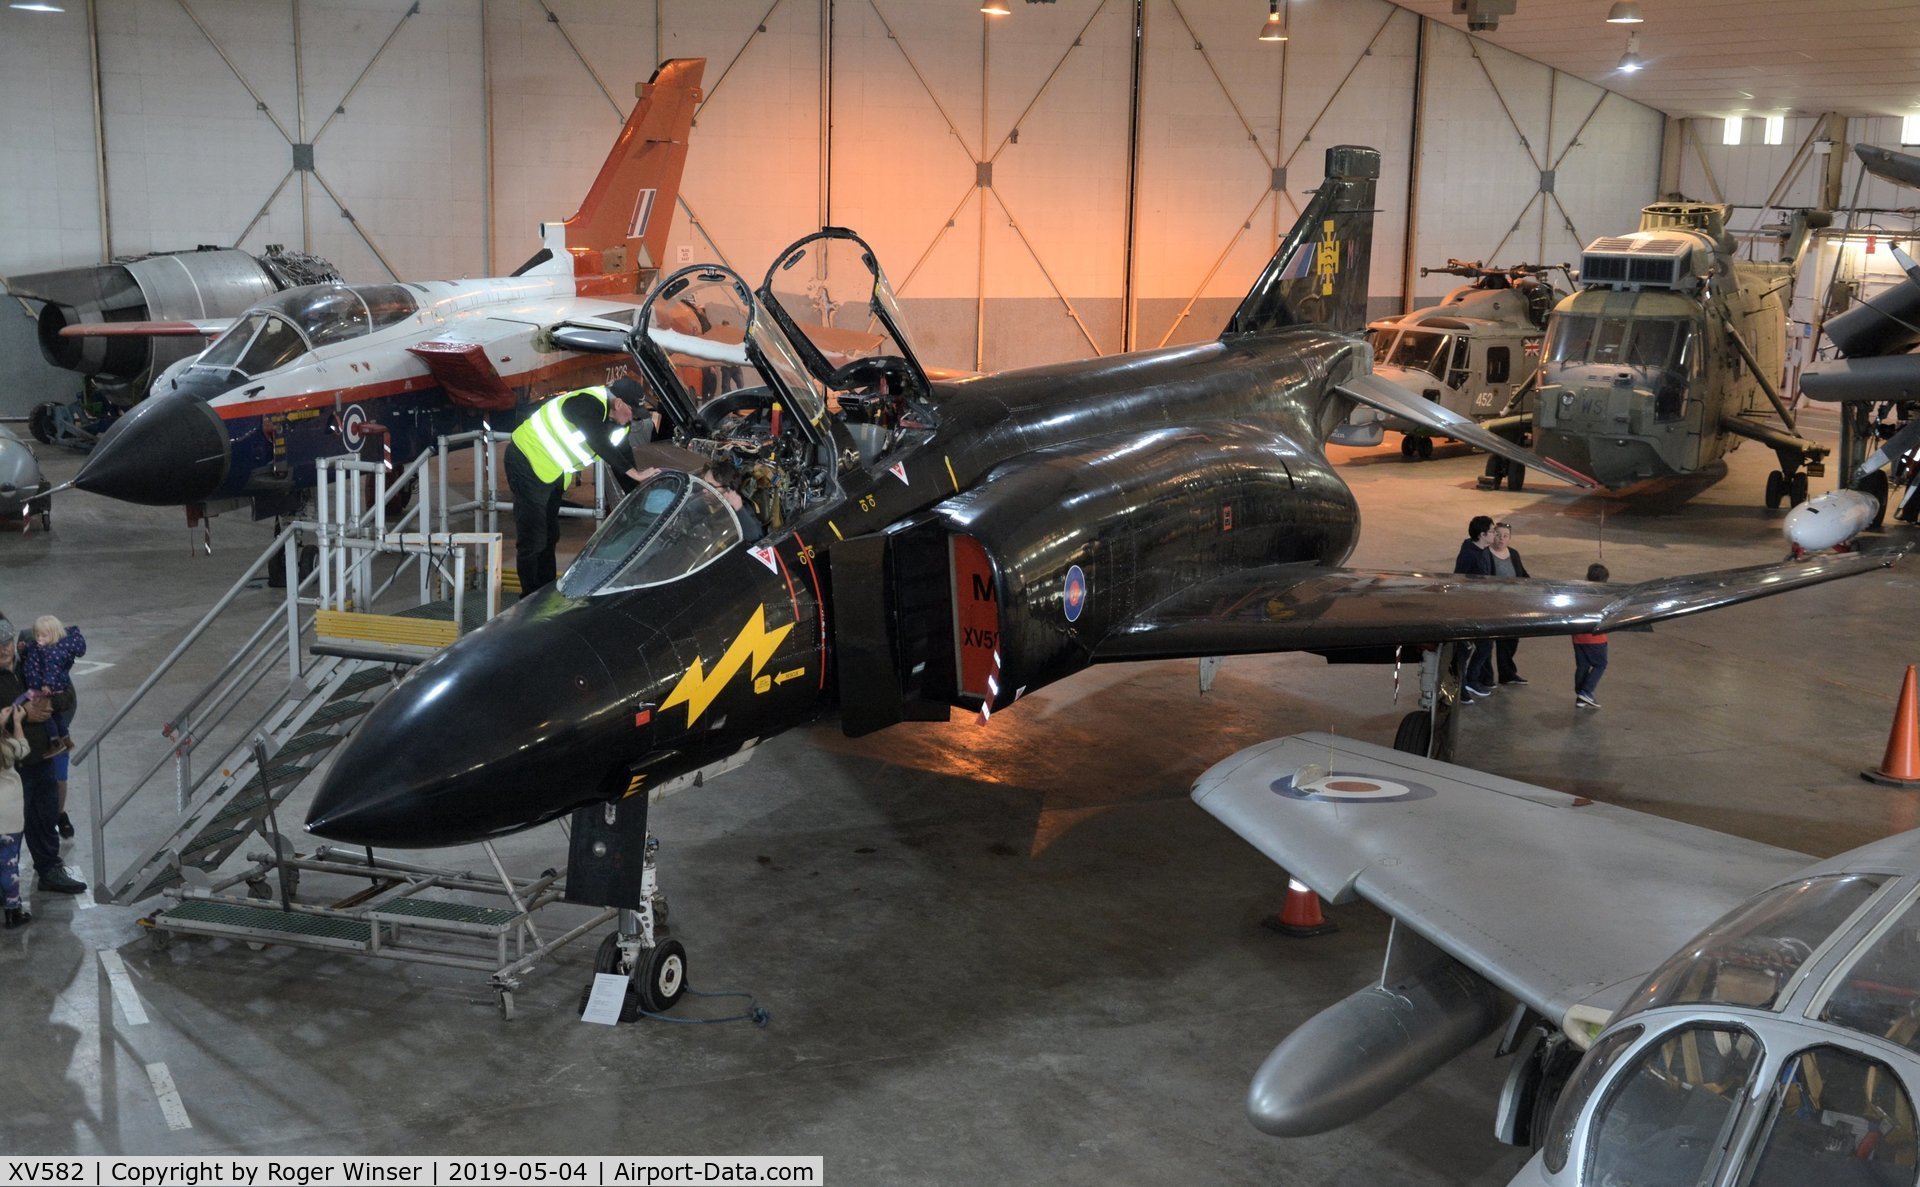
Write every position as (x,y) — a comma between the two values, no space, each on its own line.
(170,449)
(1149,471)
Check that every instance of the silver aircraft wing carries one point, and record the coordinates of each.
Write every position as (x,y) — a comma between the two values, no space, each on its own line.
(1556,899)
(1394,400)
(1306,607)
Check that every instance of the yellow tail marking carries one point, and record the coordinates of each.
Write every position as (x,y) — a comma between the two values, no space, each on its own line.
(698,687)
(1327,258)
(950,477)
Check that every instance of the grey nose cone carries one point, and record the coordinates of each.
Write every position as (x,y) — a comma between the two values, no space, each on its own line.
(169,451)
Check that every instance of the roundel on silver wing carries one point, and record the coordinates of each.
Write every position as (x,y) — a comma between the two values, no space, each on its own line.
(1343,787)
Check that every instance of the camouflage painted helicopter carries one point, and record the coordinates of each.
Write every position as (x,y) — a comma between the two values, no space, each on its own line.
(1671,352)
(1476,352)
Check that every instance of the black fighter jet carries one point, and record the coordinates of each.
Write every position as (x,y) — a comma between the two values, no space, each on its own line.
(887,547)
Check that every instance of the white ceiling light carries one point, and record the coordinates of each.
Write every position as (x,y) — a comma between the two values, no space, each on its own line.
(1272,29)
(1626,12)
(1631,61)
(36,6)
(996,8)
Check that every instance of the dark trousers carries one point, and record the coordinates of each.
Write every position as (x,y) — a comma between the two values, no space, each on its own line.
(536,522)
(1503,650)
(1476,662)
(1589,664)
(41,792)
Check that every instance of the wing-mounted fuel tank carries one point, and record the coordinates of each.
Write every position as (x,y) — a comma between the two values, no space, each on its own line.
(181,286)
(1013,583)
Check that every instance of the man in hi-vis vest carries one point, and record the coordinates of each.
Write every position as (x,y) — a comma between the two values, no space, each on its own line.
(559,439)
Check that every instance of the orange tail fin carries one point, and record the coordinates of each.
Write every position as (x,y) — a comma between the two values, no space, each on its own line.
(617,238)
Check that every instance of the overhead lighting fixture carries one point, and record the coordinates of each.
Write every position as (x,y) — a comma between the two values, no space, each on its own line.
(1631,61)
(36,6)
(1626,12)
(1273,28)
(996,8)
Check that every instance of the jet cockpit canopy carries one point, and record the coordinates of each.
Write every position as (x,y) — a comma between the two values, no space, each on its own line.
(669,526)
(291,323)
(735,389)
(829,294)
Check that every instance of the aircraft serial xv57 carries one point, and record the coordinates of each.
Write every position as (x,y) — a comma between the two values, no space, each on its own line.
(931,545)
(304,372)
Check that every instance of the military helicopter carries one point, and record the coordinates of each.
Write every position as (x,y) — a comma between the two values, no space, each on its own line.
(1476,352)
(1668,356)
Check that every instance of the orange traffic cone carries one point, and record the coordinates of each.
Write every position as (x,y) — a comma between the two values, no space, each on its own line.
(1300,916)
(1901,766)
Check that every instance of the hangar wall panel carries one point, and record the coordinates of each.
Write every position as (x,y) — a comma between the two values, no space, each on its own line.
(1221,111)
(1503,121)
(483,118)
(49,214)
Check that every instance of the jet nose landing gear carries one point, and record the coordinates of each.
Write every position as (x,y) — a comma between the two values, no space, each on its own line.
(611,862)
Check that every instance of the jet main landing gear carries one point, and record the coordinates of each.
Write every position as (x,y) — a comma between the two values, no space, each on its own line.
(1416,447)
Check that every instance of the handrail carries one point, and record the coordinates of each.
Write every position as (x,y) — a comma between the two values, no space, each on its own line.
(82,752)
(350,536)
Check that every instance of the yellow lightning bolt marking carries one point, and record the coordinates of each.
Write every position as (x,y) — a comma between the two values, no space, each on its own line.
(698,687)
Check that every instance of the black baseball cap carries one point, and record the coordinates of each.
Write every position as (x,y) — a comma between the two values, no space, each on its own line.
(629,392)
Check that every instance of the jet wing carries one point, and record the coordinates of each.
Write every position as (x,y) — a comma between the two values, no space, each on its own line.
(1557,900)
(1395,400)
(1307,607)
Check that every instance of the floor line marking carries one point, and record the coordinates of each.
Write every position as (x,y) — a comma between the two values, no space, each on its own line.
(171,1106)
(122,986)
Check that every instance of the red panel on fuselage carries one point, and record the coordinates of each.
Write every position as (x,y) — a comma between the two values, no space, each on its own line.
(976,616)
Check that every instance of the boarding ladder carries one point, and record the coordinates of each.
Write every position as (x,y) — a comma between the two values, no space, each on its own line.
(341,637)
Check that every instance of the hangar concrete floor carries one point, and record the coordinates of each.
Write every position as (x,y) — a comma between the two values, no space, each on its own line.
(1014,954)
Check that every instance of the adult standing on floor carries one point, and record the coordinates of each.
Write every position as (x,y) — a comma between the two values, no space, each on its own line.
(561,438)
(40,791)
(1506,563)
(1475,560)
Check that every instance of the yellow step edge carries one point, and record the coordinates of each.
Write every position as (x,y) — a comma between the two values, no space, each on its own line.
(384,628)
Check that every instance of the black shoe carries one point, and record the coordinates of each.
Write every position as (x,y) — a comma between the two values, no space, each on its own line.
(17,917)
(65,827)
(61,882)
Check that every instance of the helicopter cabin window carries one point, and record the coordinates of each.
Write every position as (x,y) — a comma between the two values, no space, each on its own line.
(1668,1112)
(1867,996)
(1499,363)
(668,527)
(1837,1118)
(1572,336)
(1457,374)
(1566,1112)
(1608,338)
(1750,957)
(1420,350)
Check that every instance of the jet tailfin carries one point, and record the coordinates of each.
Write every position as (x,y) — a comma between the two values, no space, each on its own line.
(1319,275)
(615,242)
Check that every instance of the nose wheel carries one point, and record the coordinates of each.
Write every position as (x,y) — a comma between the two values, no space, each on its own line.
(655,967)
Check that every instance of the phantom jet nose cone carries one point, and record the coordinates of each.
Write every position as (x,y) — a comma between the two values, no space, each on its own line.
(169,451)
(504,730)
